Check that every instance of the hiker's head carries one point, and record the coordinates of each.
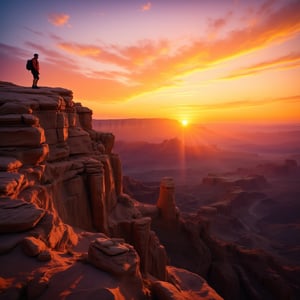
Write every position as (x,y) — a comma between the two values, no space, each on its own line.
(35,55)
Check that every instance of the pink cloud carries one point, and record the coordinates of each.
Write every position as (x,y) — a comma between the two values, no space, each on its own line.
(80,50)
(146,6)
(58,19)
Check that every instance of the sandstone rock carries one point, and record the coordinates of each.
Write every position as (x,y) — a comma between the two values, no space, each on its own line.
(14,108)
(48,118)
(107,140)
(148,210)
(33,156)
(158,258)
(166,200)
(44,255)
(110,190)
(96,184)
(191,282)
(117,173)
(33,246)
(79,141)
(57,235)
(17,215)
(111,250)
(58,152)
(141,238)
(11,184)
(85,117)
(166,291)
(9,164)
(27,155)
(62,134)
(72,119)
(162,290)
(21,136)
(18,120)
(118,258)
(51,136)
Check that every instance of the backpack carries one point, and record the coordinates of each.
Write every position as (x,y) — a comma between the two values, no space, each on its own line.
(29,64)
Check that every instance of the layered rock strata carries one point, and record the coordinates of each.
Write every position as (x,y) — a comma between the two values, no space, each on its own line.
(59,177)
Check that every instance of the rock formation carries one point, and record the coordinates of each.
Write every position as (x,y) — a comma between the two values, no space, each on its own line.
(166,201)
(66,227)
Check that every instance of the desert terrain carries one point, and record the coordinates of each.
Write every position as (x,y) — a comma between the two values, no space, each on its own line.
(242,181)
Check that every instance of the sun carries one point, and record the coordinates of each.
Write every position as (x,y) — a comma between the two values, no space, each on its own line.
(184,122)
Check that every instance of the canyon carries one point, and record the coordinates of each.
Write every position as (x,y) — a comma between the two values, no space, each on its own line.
(72,226)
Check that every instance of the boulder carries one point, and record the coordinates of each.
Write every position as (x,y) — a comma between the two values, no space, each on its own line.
(33,246)
(114,256)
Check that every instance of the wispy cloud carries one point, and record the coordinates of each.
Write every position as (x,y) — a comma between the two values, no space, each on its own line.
(36,32)
(146,6)
(53,57)
(137,57)
(80,50)
(241,103)
(58,19)
(289,61)
(7,50)
(215,26)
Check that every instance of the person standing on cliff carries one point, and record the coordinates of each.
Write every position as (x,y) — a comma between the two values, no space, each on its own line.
(35,70)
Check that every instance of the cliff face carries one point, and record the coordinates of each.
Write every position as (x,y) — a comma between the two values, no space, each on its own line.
(62,202)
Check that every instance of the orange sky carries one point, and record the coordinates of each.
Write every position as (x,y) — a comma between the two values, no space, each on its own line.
(198,60)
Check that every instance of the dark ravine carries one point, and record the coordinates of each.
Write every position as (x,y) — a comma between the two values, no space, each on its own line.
(68,230)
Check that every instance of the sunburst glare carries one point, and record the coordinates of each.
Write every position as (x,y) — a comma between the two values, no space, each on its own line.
(184,122)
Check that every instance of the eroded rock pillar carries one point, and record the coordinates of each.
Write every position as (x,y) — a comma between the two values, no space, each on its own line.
(166,201)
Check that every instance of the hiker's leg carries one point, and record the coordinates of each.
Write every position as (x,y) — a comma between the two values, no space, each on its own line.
(35,75)
(36,78)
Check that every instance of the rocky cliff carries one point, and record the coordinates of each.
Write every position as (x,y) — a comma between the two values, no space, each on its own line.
(67,230)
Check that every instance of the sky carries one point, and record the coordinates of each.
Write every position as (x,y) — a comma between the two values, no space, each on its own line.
(194,60)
